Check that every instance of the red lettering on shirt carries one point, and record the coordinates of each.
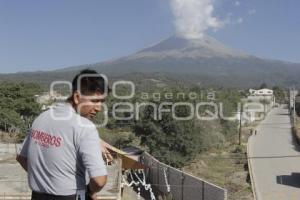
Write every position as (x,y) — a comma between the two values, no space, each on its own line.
(45,139)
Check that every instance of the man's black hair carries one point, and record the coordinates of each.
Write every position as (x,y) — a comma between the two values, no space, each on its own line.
(90,82)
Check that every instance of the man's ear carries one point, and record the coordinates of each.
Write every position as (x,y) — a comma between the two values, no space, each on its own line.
(76,97)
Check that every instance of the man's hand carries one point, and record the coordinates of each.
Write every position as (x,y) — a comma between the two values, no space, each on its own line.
(108,158)
(91,197)
(23,161)
(96,184)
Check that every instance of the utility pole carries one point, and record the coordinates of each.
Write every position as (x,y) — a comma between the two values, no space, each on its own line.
(264,104)
(240,130)
(294,106)
(291,101)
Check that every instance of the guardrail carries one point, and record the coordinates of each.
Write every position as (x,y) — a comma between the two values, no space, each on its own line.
(182,186)
(28,197)
(119,196)
(250,168)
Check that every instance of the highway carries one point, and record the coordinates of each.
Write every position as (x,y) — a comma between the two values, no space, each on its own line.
(275,159)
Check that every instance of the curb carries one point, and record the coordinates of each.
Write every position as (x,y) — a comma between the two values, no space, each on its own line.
(250,169)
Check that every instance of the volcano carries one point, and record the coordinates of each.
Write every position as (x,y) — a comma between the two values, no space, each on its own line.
(203,61)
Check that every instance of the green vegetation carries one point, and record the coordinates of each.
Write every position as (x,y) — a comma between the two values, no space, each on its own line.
(226,167)
(205,148)
(202,147)
(279,94)
(117,138)
(263,86)
(17,106)
(151,124)
(172,141)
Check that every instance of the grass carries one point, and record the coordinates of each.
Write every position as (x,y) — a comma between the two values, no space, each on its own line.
(226,167)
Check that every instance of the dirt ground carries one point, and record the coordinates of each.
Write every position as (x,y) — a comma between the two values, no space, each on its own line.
(13,178)
(130,194)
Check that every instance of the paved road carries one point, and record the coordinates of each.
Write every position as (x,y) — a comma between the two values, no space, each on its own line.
(276,162)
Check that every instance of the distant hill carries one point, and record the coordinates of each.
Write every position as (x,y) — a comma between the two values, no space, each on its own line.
(198,61)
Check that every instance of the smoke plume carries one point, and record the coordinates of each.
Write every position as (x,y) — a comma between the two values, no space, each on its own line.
(193,17)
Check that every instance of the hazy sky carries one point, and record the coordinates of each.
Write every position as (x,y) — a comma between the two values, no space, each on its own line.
(52,34)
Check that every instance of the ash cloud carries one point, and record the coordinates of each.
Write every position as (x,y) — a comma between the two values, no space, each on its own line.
(194,17)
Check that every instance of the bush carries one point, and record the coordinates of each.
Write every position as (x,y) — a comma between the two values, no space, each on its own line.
(17,106)
(117,138)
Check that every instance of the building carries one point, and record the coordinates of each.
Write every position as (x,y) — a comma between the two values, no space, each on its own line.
(261,92)
(47,99)
(265,96)
(262,99)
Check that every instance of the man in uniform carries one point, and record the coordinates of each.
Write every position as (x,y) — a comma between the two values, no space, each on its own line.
(62,147)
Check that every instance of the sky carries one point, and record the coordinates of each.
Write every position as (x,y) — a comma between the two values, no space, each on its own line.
(53,34)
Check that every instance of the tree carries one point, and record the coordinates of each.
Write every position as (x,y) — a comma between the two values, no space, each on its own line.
(176,142)
(263,85)
(279,94)
(17,106)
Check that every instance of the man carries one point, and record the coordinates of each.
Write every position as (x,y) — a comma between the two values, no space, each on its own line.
(63,144)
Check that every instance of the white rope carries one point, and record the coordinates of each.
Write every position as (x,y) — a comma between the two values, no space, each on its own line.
(166,181)
(125,182)
(132,181)
(137,183)
(143,182)
(139,193)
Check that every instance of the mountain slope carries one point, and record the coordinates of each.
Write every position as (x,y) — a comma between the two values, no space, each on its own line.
(199,61)
(205,58)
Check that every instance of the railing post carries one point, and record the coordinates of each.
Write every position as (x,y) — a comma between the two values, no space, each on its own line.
(157,176)
(203,190)
(149,172)
(182,185)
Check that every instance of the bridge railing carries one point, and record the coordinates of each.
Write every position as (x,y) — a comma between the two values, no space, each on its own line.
(182,186)
(250,167)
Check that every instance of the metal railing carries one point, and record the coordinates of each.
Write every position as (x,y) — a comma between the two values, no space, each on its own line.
(180,185)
